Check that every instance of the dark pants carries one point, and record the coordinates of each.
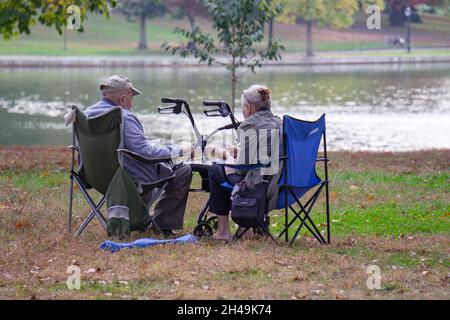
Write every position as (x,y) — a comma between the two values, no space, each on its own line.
(219,198)
(170,209)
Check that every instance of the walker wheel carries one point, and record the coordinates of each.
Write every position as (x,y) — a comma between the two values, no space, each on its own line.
(203,229)
(212,221)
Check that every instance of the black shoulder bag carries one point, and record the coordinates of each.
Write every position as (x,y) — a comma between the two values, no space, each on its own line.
(249,206)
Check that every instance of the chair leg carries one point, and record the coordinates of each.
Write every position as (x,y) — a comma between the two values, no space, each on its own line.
(265,231)
(288,225)
(286,213)
(298,216)
(306,210)
(238,235)
(95,209)
(85,224)
(327,204)
(94,213)
(316,234)
(152,201)
(69,227)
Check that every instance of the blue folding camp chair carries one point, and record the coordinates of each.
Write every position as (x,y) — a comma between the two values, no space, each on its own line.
(301,141)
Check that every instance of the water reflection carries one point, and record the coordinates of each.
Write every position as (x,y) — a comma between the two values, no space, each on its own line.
(402,107)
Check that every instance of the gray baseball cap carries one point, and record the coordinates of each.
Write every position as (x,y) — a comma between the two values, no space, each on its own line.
(117,83)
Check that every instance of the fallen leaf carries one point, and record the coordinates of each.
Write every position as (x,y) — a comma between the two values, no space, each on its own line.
(23,224)
(333,195)
(299,277)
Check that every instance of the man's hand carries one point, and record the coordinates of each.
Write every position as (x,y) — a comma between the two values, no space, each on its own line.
(219,153)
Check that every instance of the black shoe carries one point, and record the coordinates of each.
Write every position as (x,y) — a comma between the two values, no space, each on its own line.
(168,233)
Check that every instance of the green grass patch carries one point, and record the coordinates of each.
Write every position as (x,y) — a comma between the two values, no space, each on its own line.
(250,274)
(384,203)
(35,181)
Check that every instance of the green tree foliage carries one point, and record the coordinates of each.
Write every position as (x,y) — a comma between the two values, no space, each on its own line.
(240,26)
(332,13)
(191,9)
(142,10)
(17,16)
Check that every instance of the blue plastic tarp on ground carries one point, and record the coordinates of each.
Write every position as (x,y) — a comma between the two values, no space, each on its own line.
(145,242)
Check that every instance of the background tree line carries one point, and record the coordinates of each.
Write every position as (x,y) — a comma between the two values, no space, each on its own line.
(17,16)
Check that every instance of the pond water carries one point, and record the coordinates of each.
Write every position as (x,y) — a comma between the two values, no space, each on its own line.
(373,108)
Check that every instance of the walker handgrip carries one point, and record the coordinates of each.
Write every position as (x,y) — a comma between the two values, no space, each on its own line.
(212,103)
(171,100)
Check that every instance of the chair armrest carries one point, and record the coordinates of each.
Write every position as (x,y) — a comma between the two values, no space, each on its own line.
(322,159)
(245,166)
(143,159)
(72,147)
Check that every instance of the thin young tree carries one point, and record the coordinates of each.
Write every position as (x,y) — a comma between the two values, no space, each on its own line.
(240,29)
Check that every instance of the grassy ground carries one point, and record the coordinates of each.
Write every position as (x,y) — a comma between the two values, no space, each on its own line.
(116,36)
(390,210)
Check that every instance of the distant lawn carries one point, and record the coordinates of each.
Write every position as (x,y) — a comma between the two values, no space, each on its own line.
(116,36)
(102,36)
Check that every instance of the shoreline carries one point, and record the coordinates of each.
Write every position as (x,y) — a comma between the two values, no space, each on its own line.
(158,61)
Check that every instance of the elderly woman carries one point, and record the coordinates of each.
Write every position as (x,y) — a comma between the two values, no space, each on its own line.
(256,102)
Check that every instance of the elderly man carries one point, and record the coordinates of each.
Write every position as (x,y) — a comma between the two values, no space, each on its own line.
(117,90)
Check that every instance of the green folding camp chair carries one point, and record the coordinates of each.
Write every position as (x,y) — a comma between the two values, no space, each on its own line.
(99,144)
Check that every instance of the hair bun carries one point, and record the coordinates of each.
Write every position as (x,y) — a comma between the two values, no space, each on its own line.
(264,93)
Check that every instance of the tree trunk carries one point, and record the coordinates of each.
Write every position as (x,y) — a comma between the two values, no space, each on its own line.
(309,40)
(270,33)
(233,86)
(193,24)
(142,33)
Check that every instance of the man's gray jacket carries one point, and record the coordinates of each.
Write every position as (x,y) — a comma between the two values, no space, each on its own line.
(134,140)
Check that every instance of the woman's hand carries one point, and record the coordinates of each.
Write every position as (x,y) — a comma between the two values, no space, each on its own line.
(233,150)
